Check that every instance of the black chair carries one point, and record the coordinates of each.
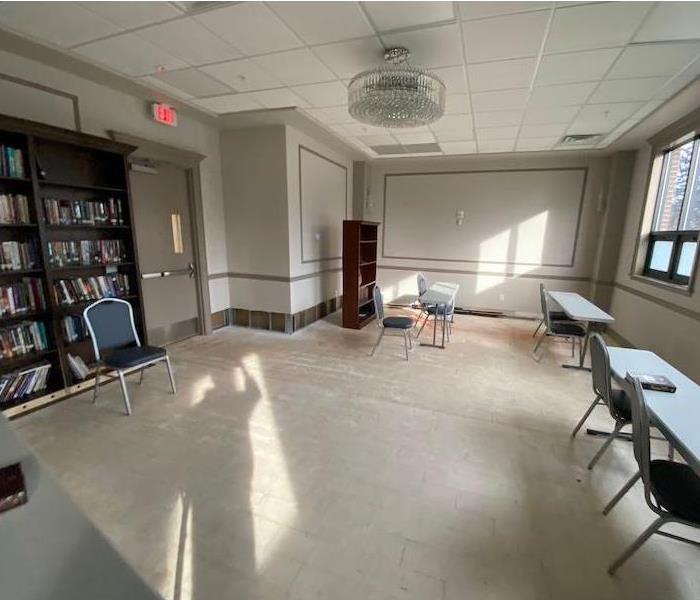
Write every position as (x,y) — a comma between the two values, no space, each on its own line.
(616,400)
(562,329)
(554,315)
(671,489)
(401,324)
(117,345)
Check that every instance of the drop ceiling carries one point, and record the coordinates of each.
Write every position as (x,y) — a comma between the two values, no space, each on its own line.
(519,75)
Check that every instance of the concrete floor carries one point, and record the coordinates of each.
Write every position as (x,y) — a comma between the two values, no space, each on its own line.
(297,467)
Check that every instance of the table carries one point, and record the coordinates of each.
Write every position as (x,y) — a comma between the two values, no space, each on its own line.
(577,308)
(50,548)
(439,294)
(676,415)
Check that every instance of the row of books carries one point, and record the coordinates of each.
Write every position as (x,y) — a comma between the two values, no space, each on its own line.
(16,255)
(22,297)
(67,253)
(74,328)
(84,212)
(23,338)
(81,289)
(11,162)
(14,208)
(17,385)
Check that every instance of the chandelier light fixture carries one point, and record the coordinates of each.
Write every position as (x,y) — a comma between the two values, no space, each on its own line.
(397,94)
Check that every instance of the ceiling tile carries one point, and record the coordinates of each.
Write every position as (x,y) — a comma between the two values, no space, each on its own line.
(242,75)
(279,98)
(426,137)
(504,100)
(496,133)
(456,104)
(534,144)
(226,104)
(251,27)
(458,147)
(503,75)
(333,115)
(602,118)
(321,22)
(552,114)
(671,21)
(488,146)
(133,14)
(569,94)
(498,118)
(654,60)
(159,85)
(453,128)
(590,65)
(360,129)
(377,140)
(194,82)
(512,36)
(62,23)
(130,54)
(453,78)
(627,90)
(594,25)
(480,10)
(295,67)
(189,41)
(395,15)
(538,131)
(432,47)
(347,59)
(332,93)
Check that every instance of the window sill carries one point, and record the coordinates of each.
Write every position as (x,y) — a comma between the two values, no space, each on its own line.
(677,288)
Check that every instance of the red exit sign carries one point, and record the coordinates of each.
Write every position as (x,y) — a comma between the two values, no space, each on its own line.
(164,113)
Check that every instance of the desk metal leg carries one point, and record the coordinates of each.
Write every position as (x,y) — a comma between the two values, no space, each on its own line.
(582,350)
(435,323)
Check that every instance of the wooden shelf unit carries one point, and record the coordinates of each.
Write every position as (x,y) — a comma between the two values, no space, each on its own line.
(359,272)
(66,165)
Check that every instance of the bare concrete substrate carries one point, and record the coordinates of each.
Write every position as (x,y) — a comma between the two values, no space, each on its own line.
(301,468)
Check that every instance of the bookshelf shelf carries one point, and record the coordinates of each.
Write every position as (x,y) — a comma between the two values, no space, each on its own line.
(359,272)
(76,168)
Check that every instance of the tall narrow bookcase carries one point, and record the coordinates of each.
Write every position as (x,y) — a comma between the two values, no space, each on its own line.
(359,272)
(68,166)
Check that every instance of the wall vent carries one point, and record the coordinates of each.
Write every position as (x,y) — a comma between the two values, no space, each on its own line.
(580,139)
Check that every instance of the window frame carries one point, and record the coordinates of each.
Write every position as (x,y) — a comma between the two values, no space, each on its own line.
(679,236)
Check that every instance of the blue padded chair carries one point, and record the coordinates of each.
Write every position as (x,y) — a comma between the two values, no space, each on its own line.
(117,345)
(400,324)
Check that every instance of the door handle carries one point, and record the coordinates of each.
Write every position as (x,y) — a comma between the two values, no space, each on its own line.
(190,271)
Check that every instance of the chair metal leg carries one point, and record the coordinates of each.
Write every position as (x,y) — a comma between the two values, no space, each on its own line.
(625,488)
(604,447)
(405,343)
(636,545)
(427,318)
(410,340)
(141,376)
(595,403)
(534,335)
(125,392)
(379,339)
(573,347)
(538,343)
(670,451)
(97,386)
(170,375)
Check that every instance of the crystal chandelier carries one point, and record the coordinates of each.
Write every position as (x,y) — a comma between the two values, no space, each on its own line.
(396,95)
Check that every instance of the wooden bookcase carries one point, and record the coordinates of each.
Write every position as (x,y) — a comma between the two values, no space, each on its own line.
(66,165)
(359,272)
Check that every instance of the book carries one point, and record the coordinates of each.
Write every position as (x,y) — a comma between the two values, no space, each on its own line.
(23,338)
(16,256)
(74,328)
(82,289)
(657,383)
(78,367)
(24,382)
(14,209)
(69,253)
(83,212)
(11,162)
(22,297)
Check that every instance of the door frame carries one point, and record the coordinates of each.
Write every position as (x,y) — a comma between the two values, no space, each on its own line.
(189,161)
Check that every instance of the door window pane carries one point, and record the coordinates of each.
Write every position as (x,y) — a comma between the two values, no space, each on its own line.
(686,259)
(675,180)
(661,255)
(692,219)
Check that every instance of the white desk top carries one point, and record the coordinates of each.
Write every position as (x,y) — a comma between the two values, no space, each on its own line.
(580,309)
(440,293)
(677,415)
(49,548)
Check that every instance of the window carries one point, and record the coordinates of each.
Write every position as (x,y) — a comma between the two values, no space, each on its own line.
(673,239)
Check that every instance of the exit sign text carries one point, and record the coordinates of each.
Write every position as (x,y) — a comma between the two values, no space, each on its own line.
(164,113)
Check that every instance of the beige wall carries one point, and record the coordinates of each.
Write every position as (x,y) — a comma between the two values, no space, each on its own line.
(518,208)
(103,108)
